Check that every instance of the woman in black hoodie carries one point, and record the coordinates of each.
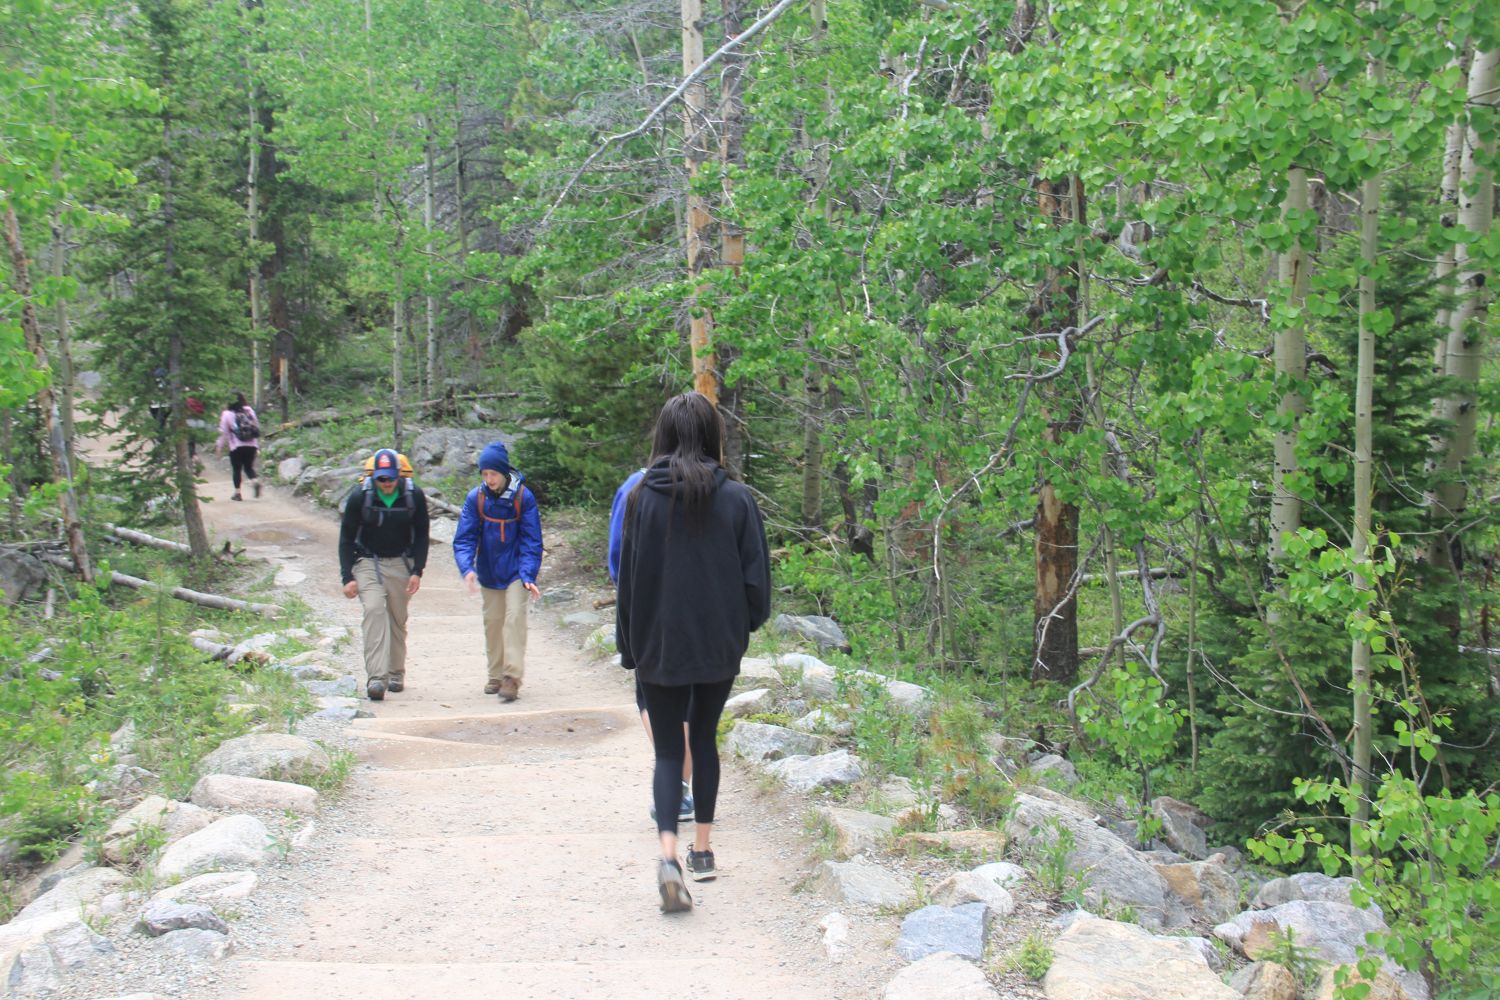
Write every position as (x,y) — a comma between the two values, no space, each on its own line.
(695,581)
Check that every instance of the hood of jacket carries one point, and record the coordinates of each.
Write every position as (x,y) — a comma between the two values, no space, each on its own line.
(658,477)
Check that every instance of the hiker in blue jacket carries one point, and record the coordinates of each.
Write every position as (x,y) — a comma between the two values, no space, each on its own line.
(498,549)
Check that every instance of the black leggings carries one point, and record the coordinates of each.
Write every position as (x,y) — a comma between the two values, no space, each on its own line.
(242,460)
(699,705)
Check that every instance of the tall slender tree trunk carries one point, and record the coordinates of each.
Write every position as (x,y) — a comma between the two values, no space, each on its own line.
(695,120)
(252,223)
(1055,606)
(1364,448)
(184,474)
(63,332)
(1453,154)
(813,408)
(731,236)
(1463,355)
(57,450)
(1290,357)
(471,329)
(427,224)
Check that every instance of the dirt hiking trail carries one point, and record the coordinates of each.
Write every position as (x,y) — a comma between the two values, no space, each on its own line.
(487,850)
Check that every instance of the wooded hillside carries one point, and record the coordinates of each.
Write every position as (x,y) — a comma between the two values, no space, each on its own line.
(1128,363)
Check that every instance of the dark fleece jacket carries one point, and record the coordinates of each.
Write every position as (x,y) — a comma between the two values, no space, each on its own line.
(689,598)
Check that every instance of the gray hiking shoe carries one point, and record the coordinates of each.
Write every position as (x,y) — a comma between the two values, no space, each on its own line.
(701,866)
(375,690)
(674,894)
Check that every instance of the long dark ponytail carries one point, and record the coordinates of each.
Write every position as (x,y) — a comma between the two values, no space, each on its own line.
(689,437)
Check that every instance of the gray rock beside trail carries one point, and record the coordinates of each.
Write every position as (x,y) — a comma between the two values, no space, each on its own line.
(21,576)
(76,892)
(803,774)
(757,671)
(854,831)
(195,945)
(275,756)
(1106,960)
(346,686)
(165,916)
(823,721)
(1110,870)
(1332,930)
(38,970)
(940,976)
(1002,873)
(971,887)
(1182,826)
(823,631)
(1266,981)
(758,741)
(1204,890)
(1053,769)
(288,469)
(236,842)
(451,447)
(750,703)
(329,485)
(128,835)
(582,619)
(957,929)
(816,679)
(862,883)
(231,792)
(210,888)
(1314,886)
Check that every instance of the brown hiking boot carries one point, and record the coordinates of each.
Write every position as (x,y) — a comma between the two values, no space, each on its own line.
(510,689)
(491,686)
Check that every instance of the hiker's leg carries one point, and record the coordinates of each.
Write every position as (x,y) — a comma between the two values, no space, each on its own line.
(377,619)
(707,704)
(494,629)
(667,707)
(397,601)
(513,642)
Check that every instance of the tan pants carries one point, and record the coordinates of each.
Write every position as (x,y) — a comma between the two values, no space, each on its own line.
(505,630)
(382,591)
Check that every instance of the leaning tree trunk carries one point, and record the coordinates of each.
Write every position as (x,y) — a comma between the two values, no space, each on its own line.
(62,473)
(1055,605)
(731,236)
(184,475)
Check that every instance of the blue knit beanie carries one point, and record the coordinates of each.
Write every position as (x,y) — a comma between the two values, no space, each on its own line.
(495,457)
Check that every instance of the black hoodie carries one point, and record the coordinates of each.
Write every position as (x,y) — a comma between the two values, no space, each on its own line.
(689,598)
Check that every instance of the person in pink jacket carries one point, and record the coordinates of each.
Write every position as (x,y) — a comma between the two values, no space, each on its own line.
(239,431)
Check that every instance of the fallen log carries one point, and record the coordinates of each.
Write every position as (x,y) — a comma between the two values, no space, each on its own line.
(442,506)
(604,602)
(150,541)
(220,651)
(322,417)
(181,593)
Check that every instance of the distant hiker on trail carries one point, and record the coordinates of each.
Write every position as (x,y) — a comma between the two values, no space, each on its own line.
(616,525)
(239,431)
(498,549)
(695,581)
(383,542)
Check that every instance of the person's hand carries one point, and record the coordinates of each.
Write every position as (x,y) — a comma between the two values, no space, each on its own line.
(535,593)
(351,589)
(471,580)
(413,584)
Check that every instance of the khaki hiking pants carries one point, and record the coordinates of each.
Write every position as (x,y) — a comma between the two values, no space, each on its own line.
(505,630)
(382,591)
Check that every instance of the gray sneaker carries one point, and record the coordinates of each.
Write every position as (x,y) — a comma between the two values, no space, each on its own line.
(701,866)
(674,894)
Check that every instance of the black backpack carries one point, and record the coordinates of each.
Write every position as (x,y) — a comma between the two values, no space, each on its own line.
(372,515)
(245,427)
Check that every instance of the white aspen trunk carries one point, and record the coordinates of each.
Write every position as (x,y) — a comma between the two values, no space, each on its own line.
(427,222)
(695,121)
(60,310)
(1364,426)
(471,329)
(398,331)
(1462,354)
(1291,363)
(1453,151)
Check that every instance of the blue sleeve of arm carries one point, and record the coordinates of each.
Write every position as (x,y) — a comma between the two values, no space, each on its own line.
(465,536)
(617,523)
(531,539)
